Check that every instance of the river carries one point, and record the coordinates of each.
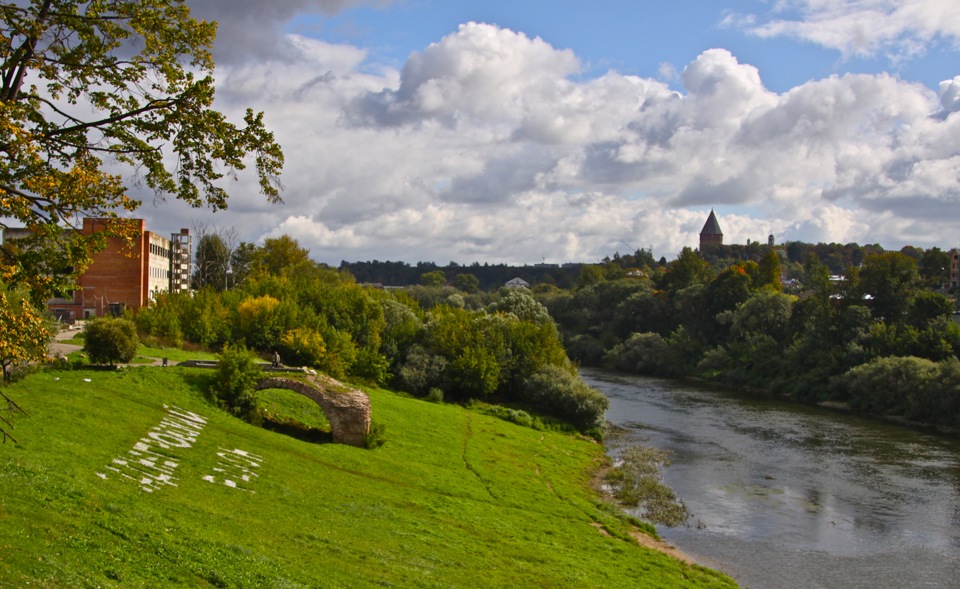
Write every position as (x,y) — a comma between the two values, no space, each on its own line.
(785,496)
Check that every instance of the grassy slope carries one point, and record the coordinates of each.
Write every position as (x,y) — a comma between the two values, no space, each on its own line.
(454,499)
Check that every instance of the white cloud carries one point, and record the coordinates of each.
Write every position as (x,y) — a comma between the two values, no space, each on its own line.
(485,146)
(898,29)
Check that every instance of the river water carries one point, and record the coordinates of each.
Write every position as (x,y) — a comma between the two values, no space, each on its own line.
(784,496)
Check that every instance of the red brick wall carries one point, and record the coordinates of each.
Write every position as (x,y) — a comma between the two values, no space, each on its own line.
(118,274)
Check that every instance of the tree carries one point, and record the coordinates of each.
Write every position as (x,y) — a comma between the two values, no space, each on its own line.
(935,267)
(434,278)
(281,252)
(467,283)
(770,270)
(242,260)
(212,262)
(86,85)
(110,340)
(688,269)
(24,332)
(891,279)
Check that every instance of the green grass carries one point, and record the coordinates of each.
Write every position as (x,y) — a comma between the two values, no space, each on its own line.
(454,499)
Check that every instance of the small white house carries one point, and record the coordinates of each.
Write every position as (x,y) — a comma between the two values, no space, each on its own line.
(517,283)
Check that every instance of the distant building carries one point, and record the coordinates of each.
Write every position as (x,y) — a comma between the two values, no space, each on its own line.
(127,276)
(954,268)
(711,234)
(517,283)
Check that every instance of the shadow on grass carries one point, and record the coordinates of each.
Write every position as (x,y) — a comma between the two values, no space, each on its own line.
(299,431)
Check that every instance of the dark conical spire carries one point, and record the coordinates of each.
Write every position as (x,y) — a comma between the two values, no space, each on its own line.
(711,227)
(711,234)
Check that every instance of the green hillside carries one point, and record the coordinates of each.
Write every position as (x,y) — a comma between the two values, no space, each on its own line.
(454,499)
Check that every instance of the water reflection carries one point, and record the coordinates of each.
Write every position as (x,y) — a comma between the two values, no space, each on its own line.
(790,496)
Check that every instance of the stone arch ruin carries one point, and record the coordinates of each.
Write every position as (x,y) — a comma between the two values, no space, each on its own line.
(347,409)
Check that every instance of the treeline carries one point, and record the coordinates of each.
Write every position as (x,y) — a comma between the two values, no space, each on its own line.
(878,339)
(933,265)
(507,351)
(488,276)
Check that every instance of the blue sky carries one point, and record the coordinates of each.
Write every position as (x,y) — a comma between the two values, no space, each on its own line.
(634,38)
(513,132)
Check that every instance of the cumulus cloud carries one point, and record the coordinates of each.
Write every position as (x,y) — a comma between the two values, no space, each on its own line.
(487,146)
(897,29)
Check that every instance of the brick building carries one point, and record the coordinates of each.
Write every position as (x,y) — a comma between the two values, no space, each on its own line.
(127,276)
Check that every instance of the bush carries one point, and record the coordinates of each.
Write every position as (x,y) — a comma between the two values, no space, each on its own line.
(563,394)
(643,353)
(422,372)
(234,387)
(377,436)
(111,340)
(517,416)
(884,386)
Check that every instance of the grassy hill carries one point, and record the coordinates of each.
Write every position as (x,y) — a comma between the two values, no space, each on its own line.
(454,499)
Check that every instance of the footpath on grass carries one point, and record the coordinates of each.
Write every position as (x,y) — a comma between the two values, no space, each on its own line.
(131,479)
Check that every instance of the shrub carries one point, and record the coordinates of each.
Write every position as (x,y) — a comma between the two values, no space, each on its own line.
(422,372)
(377,436)
(435,395)
(236,381)
(884,386)
(563,394)
(371,365)
(643,353)
(111,340)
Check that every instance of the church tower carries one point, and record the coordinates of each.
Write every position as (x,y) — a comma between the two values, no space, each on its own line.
(711,233)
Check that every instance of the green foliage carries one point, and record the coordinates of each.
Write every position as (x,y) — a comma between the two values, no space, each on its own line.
(435,395)
(434,278)
(301,346)
(377,436)
(280,253)
(467,283)
(111,340)
(25,330)
(687,270)
(211,262)
(521,304)
(892,280)
(643,353)
(884,386)
(162,319)
(560,392)
(234,387)
(422,373)
(371,366)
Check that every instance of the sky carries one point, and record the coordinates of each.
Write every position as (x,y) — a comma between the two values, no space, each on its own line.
(528,131)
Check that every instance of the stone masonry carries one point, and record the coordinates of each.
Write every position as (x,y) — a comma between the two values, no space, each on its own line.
(347,409)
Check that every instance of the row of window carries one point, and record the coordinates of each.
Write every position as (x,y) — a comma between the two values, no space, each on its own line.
(159,272)
(159,250)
